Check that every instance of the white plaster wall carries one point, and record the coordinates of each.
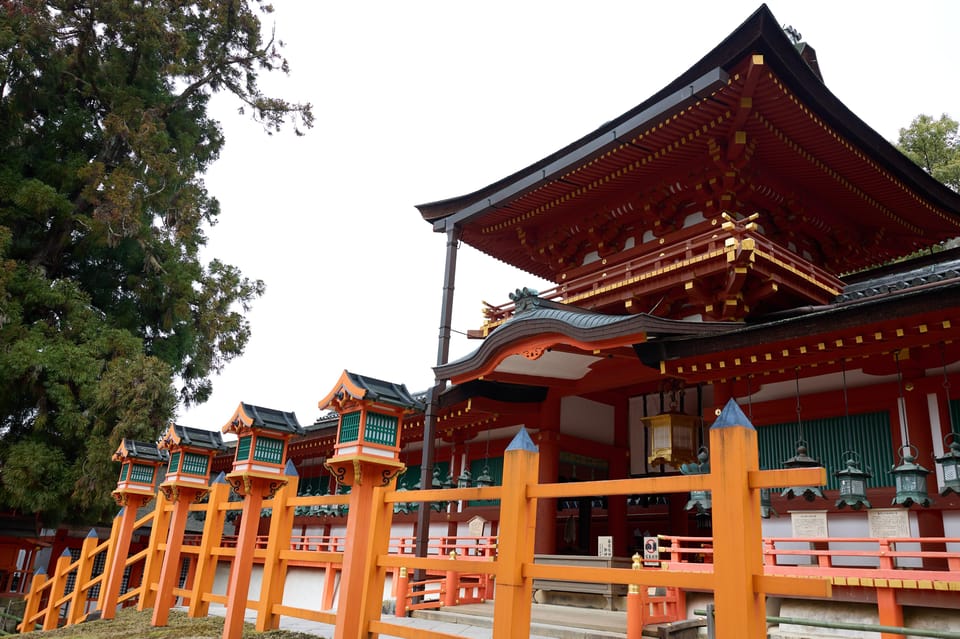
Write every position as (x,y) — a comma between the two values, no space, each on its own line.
(587,419)
(638,438)
(303,587)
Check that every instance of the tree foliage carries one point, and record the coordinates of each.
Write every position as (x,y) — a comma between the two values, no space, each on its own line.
(935,146)
(108,316)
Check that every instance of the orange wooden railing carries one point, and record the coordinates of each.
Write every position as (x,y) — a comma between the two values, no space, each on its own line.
(508,560)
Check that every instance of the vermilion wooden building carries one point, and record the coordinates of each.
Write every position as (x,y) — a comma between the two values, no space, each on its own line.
(739,234)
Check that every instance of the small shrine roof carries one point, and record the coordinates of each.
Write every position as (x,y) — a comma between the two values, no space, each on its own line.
(386,392)
(266,418)
(371,389)
(146,451)
(198,437)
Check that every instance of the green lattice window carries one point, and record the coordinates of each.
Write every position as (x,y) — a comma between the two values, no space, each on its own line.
(195,464)
(380,429)
(174,462)
(866,433)
(494,465)
(142,474)
(124,469)
(243,448)
(268,450)
(350,427)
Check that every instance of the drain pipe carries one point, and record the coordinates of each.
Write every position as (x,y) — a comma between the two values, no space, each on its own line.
(433,395)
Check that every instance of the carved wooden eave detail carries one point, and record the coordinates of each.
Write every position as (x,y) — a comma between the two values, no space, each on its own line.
(724,274)
(819,338)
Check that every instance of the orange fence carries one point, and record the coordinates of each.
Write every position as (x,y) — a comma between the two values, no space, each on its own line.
(470,568)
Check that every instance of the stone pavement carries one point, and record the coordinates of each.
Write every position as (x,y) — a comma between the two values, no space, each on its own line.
(474,621)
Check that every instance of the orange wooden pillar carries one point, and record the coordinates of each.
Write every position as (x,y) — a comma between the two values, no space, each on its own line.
(361,583)
(139,467)
(740,608)
(278,540)
(191,452)
(366,458)
(259,471)
(253,492)
(548,444)
(181,498)
(511,606)
(209,541)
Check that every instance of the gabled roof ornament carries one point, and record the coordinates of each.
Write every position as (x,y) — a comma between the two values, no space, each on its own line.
(525,299)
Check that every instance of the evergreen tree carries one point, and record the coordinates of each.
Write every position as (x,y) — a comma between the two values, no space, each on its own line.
(108,316)
(935,146)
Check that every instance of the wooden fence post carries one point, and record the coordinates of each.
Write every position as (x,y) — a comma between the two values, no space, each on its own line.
(33,600)
(518,522)
(154,558)
(212,536)
(740,609)
(52,617)
(120,537)
(78,598)
(278,539)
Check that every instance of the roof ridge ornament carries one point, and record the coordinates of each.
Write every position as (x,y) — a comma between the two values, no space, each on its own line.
(793,34)
(525,299)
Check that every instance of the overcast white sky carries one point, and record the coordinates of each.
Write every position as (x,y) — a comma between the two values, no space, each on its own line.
(421,101)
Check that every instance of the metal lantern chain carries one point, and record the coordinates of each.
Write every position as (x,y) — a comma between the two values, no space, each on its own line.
(909,476)
(950,461)
(902,404)
(853,480)
(801,459)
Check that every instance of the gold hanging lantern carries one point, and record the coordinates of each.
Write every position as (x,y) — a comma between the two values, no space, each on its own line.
(673,438)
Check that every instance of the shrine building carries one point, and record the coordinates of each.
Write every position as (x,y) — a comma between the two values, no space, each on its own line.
(739,234)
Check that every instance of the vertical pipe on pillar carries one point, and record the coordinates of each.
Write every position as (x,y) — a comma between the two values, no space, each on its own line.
(433,395)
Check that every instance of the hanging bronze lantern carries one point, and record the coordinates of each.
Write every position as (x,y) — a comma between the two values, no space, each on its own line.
(802,460)
(853,483)
(950,465)
(911,480)
(699,499)
(766,505)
